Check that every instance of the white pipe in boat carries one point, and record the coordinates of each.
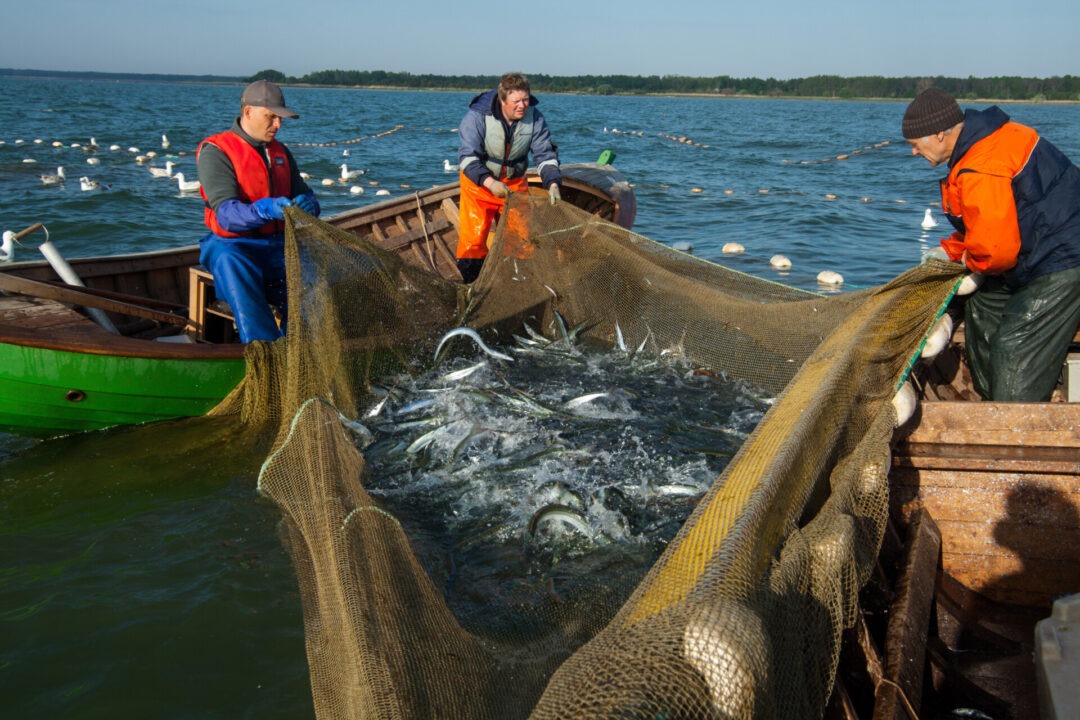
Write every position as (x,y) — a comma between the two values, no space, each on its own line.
(68,275)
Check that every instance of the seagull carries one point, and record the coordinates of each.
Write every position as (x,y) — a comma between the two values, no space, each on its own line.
(347,174)
(447,167)
(53,179)
(165,172)
(186,185)
(87,184)
(928,220)
(7,249)
(165,144)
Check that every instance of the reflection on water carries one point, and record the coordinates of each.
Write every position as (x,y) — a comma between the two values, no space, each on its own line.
(141,576)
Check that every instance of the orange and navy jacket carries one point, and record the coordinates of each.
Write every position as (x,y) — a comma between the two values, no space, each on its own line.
(254,178)
(1013,198)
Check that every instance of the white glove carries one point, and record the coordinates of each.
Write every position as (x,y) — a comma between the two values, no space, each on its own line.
(554,193)
(498,189)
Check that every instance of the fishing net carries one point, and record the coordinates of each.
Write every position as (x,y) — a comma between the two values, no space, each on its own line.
(742,614)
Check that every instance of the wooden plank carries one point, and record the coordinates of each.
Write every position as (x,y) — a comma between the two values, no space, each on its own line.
(453,214)
(84,297)
(1013,537)
(1020,425)
(909,623)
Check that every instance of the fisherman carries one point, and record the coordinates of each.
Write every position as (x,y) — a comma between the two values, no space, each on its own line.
(498,132)
(1014,201)
(247,180)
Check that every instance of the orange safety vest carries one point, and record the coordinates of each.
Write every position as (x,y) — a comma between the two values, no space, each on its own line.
(252,179)
(978,199)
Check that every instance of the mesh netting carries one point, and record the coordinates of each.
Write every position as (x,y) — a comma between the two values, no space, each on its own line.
(742,614)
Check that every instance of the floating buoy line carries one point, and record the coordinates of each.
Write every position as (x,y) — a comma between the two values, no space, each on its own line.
(842,156)
(351,141)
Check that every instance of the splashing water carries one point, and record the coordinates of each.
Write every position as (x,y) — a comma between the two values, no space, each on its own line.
(523,478)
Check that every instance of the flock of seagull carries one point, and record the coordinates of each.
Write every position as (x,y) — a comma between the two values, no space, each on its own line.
(91,149)
(347,176)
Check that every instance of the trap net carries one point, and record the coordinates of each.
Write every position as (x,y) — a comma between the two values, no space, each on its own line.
(741,615)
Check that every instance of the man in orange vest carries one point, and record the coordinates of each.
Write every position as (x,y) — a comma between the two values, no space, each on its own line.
(1013,200)
(247,179)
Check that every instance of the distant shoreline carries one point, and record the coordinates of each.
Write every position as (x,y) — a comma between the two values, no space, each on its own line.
(591,86)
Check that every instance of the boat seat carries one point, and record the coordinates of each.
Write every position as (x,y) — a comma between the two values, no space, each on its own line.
(209,318)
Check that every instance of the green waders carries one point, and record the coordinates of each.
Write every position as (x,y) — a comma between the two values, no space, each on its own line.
(1017,338)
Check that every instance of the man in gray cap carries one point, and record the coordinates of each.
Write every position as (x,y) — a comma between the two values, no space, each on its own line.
(1014,202)
(248,178)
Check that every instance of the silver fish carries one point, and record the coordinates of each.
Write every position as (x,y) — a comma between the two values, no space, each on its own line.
(620,342)
(563,513)
(475,336)
(579,401)
(464,372)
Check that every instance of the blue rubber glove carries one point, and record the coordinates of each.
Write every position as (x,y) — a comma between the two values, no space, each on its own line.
(271,208)
(306,202)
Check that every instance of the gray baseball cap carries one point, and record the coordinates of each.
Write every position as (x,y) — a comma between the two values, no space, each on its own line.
(263,93)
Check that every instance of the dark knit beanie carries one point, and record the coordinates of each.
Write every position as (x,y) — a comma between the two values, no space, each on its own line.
(932,111)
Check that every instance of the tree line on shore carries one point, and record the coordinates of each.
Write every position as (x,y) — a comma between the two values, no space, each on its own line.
(828,86)
(1020,89)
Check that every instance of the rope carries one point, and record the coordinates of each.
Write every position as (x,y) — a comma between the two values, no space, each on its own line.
(843,156)
(903,698)
(423,224)
(351,141)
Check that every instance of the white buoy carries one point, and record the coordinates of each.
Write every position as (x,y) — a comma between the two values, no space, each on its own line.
(356,190)
(682,246)
(733,248)
(928,220)
(382,192)
(780,262)
(904,403)
(830,277)
(969,284)
(92,161)
(938,337)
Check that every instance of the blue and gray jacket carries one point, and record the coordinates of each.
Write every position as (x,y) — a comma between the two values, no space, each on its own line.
(490,145)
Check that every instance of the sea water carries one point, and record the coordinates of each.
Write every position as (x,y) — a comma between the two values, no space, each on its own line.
(141,575)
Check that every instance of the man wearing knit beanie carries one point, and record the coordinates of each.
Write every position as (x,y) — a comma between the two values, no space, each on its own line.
(1014,201)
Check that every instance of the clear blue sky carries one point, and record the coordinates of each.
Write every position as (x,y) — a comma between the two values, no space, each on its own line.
(753,38)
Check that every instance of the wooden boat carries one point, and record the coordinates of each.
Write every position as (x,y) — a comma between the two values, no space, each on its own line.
(174,354)
(985,531)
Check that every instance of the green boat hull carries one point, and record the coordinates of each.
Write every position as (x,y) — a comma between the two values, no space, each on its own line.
(46,392)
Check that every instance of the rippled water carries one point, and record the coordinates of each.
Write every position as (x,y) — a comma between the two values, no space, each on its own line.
(140,574)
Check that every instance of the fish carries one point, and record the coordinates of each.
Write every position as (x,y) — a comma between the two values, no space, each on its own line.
(463,372)
(620,343)
(475,337)
(563,513)
(359,431)
(583,399)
